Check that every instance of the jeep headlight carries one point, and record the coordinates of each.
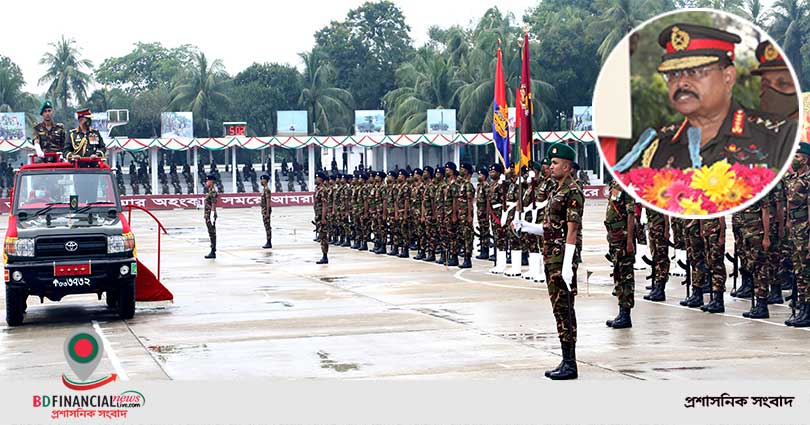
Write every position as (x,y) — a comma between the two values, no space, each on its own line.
(20,247)
(120,243)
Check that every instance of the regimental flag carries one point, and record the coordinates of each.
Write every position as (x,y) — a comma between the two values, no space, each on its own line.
(524,109)
(500,117)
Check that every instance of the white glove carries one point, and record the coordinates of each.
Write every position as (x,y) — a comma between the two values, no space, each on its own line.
(502,178)
(516,224)
(568,268)
(643,218)
(534,229)
(531,175)
(38,150)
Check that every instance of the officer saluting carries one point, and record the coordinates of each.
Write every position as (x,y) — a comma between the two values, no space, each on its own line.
(83,141)
(49,136)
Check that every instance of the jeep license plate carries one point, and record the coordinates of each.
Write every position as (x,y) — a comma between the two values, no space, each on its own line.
(61,270)
(70,282)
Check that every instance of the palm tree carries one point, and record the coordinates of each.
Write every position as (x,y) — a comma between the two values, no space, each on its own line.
(65,76)
(428,81)
(202,90)
(755,12)
(788,17)
(730,6)
(328,107)
(622,16)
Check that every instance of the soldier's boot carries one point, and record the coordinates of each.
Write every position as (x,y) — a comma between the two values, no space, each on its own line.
(696,299)
(431,256)
(534,266)
(500,262)
(377,246)
(452,260)
(394,251)
(323,260)
(363,246)
(269,244)
(467,262)
(492,257)
(759,310)
(347,242)
(746,289)
(515,269)
(483,254)
(212,254)
(775,296)
(621,321)
(568,370)
(541,269)
(420,255)
(524,258)
(413,245)
(649,288)
(795,316)
(658,292)
(441,259)
(556,369)
(403,252)
(355,244)
(803,317)
(716,305)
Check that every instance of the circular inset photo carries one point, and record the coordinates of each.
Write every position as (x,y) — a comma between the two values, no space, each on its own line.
(697,113)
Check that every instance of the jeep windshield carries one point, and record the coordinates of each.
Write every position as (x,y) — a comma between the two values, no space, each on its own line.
(43,192)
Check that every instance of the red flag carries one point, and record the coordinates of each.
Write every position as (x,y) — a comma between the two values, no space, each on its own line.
(500,116)
(524,108)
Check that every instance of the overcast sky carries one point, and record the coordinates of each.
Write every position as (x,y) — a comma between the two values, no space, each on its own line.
(239,32)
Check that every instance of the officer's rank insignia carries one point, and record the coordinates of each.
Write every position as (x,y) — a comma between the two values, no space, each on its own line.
(770,53)
(737,122)
(679,39)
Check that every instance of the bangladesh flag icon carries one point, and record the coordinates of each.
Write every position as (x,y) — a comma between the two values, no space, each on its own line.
(83,352)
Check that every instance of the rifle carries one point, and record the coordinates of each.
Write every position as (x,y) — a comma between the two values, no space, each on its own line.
(735,261)
(688,270)
(650,263)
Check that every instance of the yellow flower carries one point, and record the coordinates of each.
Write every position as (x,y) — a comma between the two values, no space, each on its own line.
(714,181)
(739,192)
(656,192)
(692,207)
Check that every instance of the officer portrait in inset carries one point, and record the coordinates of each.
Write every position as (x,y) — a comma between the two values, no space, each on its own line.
(713,114)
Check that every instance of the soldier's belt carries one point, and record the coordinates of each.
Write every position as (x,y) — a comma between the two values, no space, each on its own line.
(616,226)
(798,214)
(751,216)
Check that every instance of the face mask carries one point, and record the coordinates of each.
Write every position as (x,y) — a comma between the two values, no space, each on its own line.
(776,102)
(796,164)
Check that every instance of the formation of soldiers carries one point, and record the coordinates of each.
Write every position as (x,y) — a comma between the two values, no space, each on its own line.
(438,213)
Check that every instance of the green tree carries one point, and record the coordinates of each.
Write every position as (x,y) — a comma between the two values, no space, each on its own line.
(146,67)
(619,17)
(329,108)
(66,76)
(366,49)
(788,18)
(201,90)
(736,7)
(429,81)
(262,90)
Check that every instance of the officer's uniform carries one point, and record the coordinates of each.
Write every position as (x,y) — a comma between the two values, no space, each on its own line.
(320,205)
(83,143)
(746,136)
(620,212)
(465,214)
(267,210)
(210,205)
(798,213)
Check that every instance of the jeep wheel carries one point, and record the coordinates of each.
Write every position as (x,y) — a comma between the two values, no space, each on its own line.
(15,306)
(126,299)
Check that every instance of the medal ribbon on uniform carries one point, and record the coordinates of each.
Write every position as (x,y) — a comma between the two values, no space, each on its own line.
(693,135)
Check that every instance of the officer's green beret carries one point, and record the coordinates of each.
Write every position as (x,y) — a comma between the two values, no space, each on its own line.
(562,151)
(537,165)
(45,105)
(546,161)
(804,148)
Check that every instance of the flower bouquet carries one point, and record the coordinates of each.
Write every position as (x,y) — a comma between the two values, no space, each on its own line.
(698,191)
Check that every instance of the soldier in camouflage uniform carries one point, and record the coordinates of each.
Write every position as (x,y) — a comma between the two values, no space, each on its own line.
(331,195)
(321,207)
(175,179)
(428,217)
(696,255)
(377,206)
(798,213)
(779,269)
(402,215)
(418,227)
(465,213)
(513,193)
(439,188)
(496,201)
(267,210)
(364,213)
(355,210)
(481,195)
(756,230)
(713,232)
(346,211)
(620,221)
(531,242)
(746,288)
(450,221)
(48,135)
(391,194)
(561,225)
(657,239)
(210,205)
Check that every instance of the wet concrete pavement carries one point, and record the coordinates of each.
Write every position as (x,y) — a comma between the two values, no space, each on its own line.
(255,313)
